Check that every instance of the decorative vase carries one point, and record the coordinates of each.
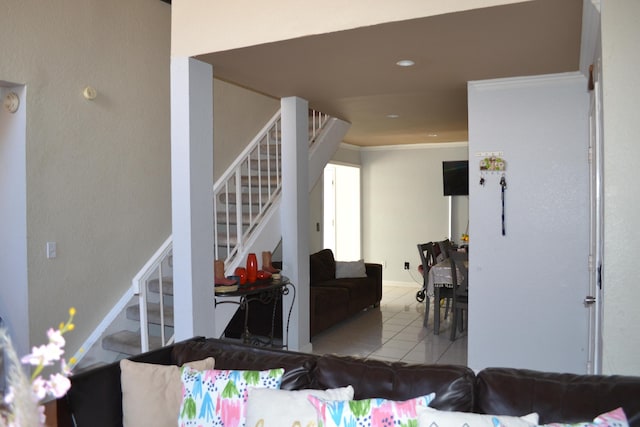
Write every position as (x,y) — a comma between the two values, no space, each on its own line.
(241,272)
(252,267)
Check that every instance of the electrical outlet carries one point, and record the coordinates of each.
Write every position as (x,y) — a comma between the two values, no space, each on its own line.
(406,265)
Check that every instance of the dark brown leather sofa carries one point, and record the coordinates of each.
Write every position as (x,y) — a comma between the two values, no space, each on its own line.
(334,300)
(95,398)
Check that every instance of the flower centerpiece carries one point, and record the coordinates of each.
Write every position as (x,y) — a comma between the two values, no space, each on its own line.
(22,405)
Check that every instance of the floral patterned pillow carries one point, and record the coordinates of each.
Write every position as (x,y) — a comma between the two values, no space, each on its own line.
(369,412)
(218,397)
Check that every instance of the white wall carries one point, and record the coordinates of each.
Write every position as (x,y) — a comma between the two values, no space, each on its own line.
(403,204)
(14,292)
(98,172)
(527,287)
(621,90)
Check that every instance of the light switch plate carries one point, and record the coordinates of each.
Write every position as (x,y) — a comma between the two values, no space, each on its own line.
(51,250)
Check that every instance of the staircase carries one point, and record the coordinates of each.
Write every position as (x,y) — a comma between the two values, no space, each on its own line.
(245,197)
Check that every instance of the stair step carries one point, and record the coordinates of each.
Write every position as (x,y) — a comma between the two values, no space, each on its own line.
(221,218)
(128,342)
(263,164)
(254,198)
(167,285)
(263,180)
(153,314)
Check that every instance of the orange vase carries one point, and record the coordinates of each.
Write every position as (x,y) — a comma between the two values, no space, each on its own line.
(252,268)
(241,272)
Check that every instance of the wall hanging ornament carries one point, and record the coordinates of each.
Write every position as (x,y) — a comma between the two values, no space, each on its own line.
(491,165)
(503,186)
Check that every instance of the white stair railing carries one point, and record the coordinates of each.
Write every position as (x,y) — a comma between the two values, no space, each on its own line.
(242,195)
(153,268)
(249,186)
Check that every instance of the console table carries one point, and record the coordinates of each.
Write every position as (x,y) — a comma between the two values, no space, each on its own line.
(264,292)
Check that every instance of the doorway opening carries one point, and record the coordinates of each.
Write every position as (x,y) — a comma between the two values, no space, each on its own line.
(342,228)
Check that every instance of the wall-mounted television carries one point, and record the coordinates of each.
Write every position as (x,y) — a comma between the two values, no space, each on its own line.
(455,177)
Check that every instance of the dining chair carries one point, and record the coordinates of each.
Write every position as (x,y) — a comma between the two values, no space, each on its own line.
(460,294)
(444,247)
(428,259)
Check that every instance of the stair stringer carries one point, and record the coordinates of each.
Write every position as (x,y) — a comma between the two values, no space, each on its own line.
(325,146)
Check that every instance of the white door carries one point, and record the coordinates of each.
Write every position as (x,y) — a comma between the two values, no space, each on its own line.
(342,211)
(594,299)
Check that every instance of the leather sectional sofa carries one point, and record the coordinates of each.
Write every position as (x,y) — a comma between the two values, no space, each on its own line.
(95,398)
(332,299)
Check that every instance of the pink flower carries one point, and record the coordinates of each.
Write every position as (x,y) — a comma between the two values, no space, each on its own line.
(39,387)
(55,337)
(58,385)
(44,355)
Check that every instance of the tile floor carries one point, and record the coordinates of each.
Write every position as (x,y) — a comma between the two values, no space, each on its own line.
(394,332)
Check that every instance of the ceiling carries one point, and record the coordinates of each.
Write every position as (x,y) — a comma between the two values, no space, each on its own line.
(353,74)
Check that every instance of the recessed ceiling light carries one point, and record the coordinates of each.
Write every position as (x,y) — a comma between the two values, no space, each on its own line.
(392,116)
(432,135)
(405,63)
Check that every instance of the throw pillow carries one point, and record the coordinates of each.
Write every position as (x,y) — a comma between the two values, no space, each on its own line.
(615,418)
(429,417)
(369,412)
(350,269)
(218,397)
(266,407)
(151,394)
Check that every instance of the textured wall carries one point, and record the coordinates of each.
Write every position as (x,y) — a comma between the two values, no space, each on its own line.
(621,92)
(98,172)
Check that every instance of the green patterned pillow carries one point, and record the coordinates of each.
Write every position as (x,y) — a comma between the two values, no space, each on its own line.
(369,412)
(218,397)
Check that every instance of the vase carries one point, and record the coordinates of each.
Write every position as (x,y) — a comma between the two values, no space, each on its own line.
(252,268)
(241,272)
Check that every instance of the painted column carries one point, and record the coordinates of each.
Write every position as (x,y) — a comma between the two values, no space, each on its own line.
(192,196)
(295,217)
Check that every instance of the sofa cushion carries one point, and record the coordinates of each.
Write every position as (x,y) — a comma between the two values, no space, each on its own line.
(322,266)
(229,355)
(328,306)
(266,407)
(453,385)
(566,398)
(369,412)
(349,269)
(151,394)
(218,397)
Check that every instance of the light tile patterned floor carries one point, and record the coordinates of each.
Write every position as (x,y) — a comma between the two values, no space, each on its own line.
(394,332)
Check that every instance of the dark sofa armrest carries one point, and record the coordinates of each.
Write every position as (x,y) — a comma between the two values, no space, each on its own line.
(375,271)
(556,397)
(95,396)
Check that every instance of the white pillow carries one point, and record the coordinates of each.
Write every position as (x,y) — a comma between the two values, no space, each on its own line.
(430,417)
(284,408)
(350,269)
(151,394)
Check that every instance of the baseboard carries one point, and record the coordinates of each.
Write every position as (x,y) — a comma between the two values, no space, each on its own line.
(412,285)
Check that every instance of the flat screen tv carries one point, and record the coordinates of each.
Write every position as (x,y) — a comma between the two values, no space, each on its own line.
(455,177)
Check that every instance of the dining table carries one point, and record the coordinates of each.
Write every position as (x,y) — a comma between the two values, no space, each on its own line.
(439,276)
